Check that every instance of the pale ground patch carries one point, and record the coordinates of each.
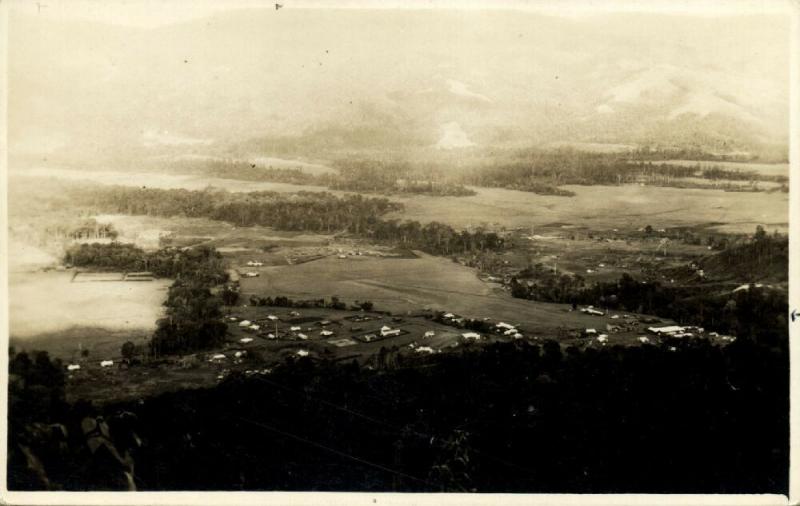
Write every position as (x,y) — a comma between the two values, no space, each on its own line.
(48,302)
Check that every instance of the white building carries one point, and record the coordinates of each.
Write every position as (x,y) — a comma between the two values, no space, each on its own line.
(669,329)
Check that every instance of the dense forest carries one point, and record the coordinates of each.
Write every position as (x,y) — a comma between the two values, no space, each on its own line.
(513,417)
(303,211)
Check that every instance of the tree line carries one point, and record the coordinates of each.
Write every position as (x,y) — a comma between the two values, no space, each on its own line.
(366,176)
(536,171)
(542,172)
(392,177)
(333,303)
(303,211)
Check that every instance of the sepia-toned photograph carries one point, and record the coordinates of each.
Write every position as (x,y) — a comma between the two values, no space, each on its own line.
(432,247)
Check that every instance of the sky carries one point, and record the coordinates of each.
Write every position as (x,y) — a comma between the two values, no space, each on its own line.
(153,13)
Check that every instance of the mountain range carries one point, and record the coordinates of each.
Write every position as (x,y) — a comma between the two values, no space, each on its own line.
(256,81)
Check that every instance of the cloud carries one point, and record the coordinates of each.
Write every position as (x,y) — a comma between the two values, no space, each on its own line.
(151,138)
(453,137)
(604,109)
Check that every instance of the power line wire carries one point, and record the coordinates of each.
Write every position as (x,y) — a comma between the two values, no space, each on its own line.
(394,427)
(333,450)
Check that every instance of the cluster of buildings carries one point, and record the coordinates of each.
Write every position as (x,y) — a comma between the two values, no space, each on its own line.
(677,331)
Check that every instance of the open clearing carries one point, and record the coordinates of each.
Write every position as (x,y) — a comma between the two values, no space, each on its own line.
(605,207)
(402,284)
(46,302)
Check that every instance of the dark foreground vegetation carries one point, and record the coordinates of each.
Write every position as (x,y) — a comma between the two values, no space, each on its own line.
(512,417)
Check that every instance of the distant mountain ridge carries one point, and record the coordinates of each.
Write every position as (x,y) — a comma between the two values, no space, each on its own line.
(337,80)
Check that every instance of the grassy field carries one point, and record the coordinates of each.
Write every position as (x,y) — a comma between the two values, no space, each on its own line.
(403,285)
(605,207)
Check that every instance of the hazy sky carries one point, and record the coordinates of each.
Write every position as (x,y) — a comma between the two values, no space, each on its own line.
(151,13)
